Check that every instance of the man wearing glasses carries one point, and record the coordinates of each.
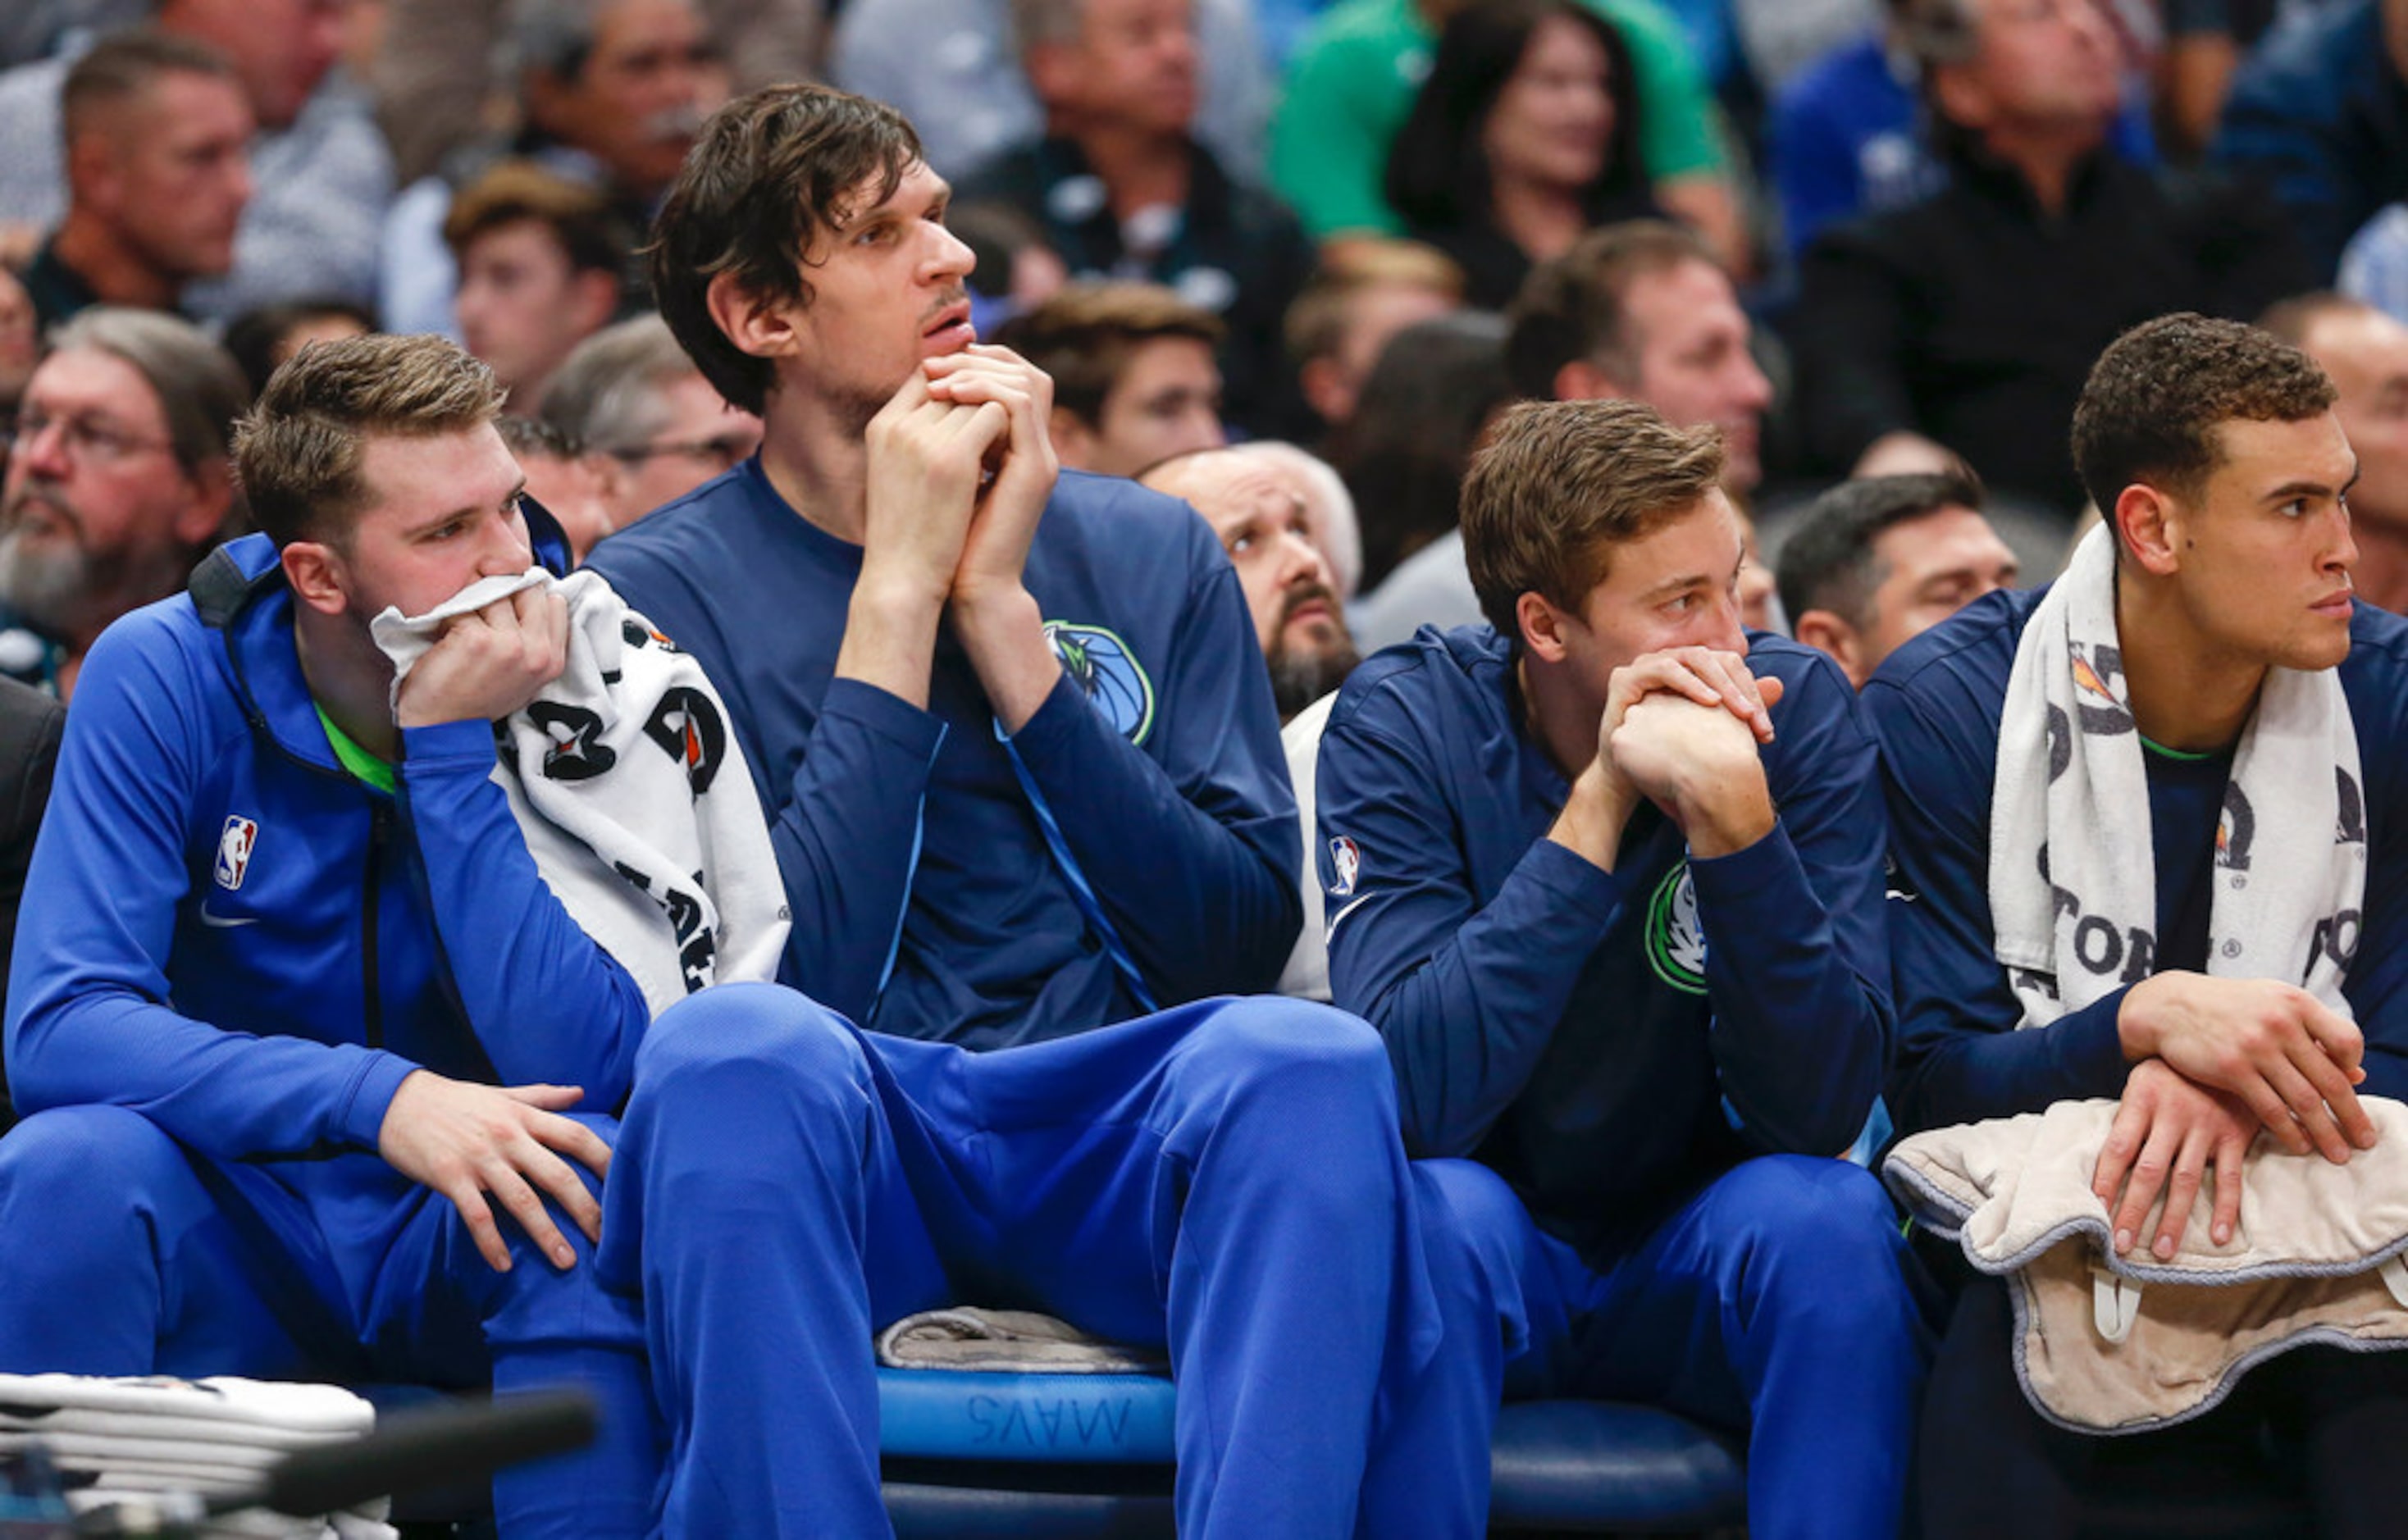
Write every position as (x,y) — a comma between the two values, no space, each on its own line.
(118,481)
(655,426)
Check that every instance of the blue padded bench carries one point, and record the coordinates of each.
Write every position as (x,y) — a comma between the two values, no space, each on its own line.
(979,1456)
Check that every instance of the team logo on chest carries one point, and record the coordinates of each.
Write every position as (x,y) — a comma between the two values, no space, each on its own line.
(1105,667)
(235,842)
(1676,943)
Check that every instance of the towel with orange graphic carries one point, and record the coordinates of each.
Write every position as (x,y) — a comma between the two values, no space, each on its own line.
(632,793)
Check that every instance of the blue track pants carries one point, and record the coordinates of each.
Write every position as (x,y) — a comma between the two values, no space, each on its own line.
(1775,1302)
(1224,1179)
(129,1254)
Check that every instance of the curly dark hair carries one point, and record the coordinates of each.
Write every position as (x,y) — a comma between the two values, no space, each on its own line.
(771,173)
(2151,407)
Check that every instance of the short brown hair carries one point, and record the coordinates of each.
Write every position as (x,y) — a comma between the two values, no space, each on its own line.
(1315,323)
(127,64)
(771,173)
(1571,307)
(1084,335)
(1560,483)
(515,191)
(298,451)
(2151,407)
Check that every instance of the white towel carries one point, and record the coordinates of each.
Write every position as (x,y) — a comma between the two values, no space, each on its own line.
(123,1439)
(632,792)
(2072,875)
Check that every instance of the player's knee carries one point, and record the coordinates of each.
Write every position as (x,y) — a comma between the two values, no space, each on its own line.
(737,1043)
(89,1150)
(1293,1054)
(1823,1226)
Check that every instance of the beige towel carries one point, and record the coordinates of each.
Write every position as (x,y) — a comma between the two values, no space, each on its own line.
(2108,1344)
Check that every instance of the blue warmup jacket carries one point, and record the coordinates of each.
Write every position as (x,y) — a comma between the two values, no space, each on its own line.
(1935,704)
(1133,846)
(1609,1042)
(225,932)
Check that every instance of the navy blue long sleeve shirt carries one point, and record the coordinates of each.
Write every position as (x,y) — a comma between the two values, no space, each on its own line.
(1935,706)
(1134,844)
(1609,1042)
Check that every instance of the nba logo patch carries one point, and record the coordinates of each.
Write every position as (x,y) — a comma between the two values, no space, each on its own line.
(1347,862)
(234,850)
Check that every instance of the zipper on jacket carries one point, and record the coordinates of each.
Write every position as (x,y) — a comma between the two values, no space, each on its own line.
(380,830)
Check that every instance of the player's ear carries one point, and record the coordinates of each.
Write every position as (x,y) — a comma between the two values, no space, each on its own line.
(316,574)
(1542,626)
(2150,525)
(1824,630)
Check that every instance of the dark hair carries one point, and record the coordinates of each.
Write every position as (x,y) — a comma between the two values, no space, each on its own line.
(1437,174)
(1827,562)
(1421,412)
(533,436)
(1571,307)
(771,175)
(513,191)
(1084,337)
(124,65)
(1561,483)
(997,233)
(256,337)
(299,450)
(2151,407)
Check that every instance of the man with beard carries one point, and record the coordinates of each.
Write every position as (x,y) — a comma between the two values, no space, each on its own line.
(118,481)
(1257,505)
(1258,511)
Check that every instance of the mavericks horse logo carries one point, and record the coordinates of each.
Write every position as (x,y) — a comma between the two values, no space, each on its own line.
(1676,943)
(1109,672)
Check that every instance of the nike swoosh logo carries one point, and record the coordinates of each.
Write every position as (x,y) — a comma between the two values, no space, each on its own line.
(225,922)
(1329,931)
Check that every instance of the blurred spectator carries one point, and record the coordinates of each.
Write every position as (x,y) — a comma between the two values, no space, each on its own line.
(21,340)
(1642,310)
(954,68)
(570,484)
(644,414)
(158,172)
(1967,322)
(1258,509)
(1134,381)
(614,92)
(323,174)
(32,29)
(1330,520)
(262,339)
(1122,192)
(2319,112)
(1015,268)
(1873,563)
(1639,311)
(2365,352)
(435,87)
(1364,293)
(118,480)
(1847,135)
(1524,134)
(1352,88)
(540,260)
(1424,410)
(2203,45)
